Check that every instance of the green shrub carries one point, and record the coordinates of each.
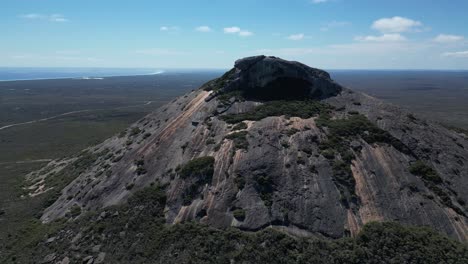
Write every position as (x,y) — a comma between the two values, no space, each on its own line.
(240,126)
(328,153)
(219,83)
(146,239)
(291,131)
(240,139)
(225,98)
(264,186)
(75,210)
(152,196)
(202,167)
(240,182)
(419,168)
(239,214)
(360,126)
(302,109)
(140,171)
(432,180)
(135,131)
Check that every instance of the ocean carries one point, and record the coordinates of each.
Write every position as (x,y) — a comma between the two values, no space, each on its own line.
(30,73)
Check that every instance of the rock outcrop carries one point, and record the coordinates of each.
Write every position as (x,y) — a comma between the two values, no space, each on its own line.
(318,168)
(271,78)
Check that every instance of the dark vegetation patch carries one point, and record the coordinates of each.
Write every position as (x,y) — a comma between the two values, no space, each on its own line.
(140,170)
(239,139)
(302,109)
(240,182)
(239,214)
(239,126)
(202,167)
(75,211)
(197,173)
(359,125)
(134,131)
(264,186)
(419,168)
(291,132)
(136,233)
(227,98)
(433,182)
(219,83)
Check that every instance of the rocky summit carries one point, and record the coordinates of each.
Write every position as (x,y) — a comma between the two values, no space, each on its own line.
(274,144)
(271,78)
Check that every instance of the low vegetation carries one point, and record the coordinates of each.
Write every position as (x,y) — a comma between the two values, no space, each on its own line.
(226,99)
(433,181)
(218,83)
(140,170)
(303,109)
(136,233)
(419,168)
(239,139)
(264,186)
(239,214)
(197,173)
(359,125)
(202,167)
(337,148)
(239,126)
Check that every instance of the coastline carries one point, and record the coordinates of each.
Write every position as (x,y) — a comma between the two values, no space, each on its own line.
(100,77)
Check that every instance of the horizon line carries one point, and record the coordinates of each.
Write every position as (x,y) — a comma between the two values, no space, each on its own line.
(220,68)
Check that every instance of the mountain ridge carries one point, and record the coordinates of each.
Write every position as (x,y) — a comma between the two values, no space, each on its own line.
(322,166)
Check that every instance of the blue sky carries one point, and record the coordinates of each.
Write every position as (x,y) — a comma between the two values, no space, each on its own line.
(331,34)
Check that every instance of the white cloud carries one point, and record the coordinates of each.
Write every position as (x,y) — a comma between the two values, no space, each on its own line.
(458,54)
(319,1)
(334,24)
(51,18)
(396,25)
(238,31)
(383,38)
(232,30)
(203,29)
(443,38)
(299,36)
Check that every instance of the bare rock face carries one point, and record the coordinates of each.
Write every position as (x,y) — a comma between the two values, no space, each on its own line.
(271,78)
(325,169)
